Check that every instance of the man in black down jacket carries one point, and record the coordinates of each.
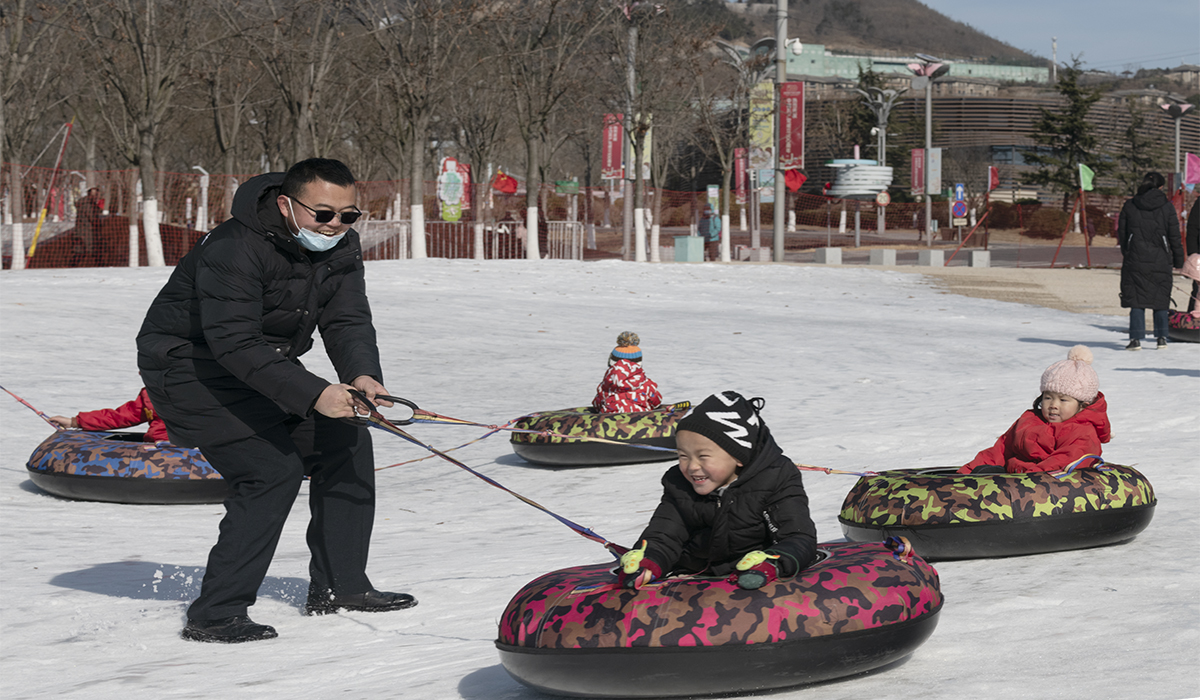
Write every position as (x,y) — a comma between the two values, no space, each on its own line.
(1148,233)
(219,354)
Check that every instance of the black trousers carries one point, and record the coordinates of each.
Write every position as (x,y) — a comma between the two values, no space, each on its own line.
(264,474)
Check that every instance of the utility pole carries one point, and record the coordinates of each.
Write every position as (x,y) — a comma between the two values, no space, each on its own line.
(781,19)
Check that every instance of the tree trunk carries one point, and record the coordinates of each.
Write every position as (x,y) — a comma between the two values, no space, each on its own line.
(532,185)
(154,247)
(416,186)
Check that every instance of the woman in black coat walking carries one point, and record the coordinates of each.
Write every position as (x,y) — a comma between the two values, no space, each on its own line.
(1148,233)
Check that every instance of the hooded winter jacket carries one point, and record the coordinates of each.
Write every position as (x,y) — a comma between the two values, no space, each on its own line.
(764,508)
(626,389)
(220,346)
(1034,445)
(1148,233)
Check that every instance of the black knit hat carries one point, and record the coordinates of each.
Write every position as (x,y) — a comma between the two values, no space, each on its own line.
(728,419)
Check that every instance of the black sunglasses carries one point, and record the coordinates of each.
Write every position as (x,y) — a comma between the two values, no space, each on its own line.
(324,216)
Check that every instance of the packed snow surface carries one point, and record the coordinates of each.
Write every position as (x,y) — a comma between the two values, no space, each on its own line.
(860,369)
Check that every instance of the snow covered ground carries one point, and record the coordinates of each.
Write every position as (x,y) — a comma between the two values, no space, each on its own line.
(861,369)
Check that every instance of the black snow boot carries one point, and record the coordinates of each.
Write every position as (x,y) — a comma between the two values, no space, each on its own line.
(229,630)
(322,601)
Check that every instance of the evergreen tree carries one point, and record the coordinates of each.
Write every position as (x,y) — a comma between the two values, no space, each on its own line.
(1066,138)
(1139,153)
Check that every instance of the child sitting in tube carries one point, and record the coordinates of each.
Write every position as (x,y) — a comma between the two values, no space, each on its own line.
(625,387)
(733,507)
(1069,419)
(135,412)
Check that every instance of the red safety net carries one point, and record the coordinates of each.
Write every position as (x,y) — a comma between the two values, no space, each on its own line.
(87,221)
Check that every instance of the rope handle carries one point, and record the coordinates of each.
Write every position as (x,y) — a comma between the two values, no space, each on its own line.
(373,409)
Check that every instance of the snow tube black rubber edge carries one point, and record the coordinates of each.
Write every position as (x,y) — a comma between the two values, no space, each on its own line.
(132,490)
(650,672)
(585,453)
(1184,335)
(1041,535)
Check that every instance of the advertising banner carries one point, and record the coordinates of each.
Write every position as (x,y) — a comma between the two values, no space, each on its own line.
(762,126)
(453,188)
(791,120)
(739,175)
(918,171)
(612,149)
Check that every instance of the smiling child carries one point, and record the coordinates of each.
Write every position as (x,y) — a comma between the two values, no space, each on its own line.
(734,505)
(1069,419)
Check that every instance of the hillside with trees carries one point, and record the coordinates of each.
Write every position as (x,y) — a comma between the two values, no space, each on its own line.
(862,26)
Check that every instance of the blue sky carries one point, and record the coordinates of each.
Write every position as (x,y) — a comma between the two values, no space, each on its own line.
(1111,35)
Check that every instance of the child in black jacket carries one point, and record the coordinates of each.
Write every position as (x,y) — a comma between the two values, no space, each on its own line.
(734,505)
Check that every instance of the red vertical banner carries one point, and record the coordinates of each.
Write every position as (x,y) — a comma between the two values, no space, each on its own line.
(791,126)
(918,171)
(740,174)
(993,177)
(613,148)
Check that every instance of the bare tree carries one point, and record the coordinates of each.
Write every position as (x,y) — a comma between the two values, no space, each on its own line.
(721,104)
(420,45)
(541,43)
(655,48)
(28,71)
(141,50)
(299,45)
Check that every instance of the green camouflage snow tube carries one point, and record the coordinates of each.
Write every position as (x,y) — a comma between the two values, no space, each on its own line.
(946,515)
(120,468)
(654,428)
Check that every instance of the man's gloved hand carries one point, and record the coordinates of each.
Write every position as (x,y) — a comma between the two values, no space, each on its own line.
(636,570)
(755,570)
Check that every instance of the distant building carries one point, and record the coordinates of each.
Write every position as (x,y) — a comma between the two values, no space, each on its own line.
(814,60)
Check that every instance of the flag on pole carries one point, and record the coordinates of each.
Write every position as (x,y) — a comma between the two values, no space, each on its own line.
(993,178)
(1085,178)
(1192,170)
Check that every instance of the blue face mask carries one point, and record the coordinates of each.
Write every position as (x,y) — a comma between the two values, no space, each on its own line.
(311,240)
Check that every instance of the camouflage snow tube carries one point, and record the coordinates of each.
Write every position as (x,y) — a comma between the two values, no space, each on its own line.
(575,632)
(120,468)
(655,428)
(946,515)
(1184,327)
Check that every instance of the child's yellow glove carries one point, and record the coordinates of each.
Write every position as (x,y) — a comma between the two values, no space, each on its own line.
(631,561)
(756,570)
(636,570)
(753,559)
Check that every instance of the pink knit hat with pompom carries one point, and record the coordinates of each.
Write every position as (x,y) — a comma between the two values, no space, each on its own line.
(1073,376)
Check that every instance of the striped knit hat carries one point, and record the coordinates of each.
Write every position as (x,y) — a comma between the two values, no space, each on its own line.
(627,347)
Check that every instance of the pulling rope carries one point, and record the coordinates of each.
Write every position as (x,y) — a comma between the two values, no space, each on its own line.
(30,407)
(1098,466)
(375,419)
(423,416)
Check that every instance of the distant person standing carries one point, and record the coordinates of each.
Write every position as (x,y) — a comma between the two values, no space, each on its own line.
(1148,233)
(1192,247)
(88,210)
(710,229)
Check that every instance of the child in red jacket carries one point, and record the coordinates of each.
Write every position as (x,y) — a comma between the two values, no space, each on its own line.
(1068,420)
(625,387)
(135,412)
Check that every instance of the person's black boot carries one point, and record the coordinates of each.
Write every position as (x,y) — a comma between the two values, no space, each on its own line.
(227,630)
(322,601)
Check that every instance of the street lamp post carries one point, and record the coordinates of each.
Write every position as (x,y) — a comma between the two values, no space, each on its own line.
(928,70)
(880,103)
(781,18)
(1176,112)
